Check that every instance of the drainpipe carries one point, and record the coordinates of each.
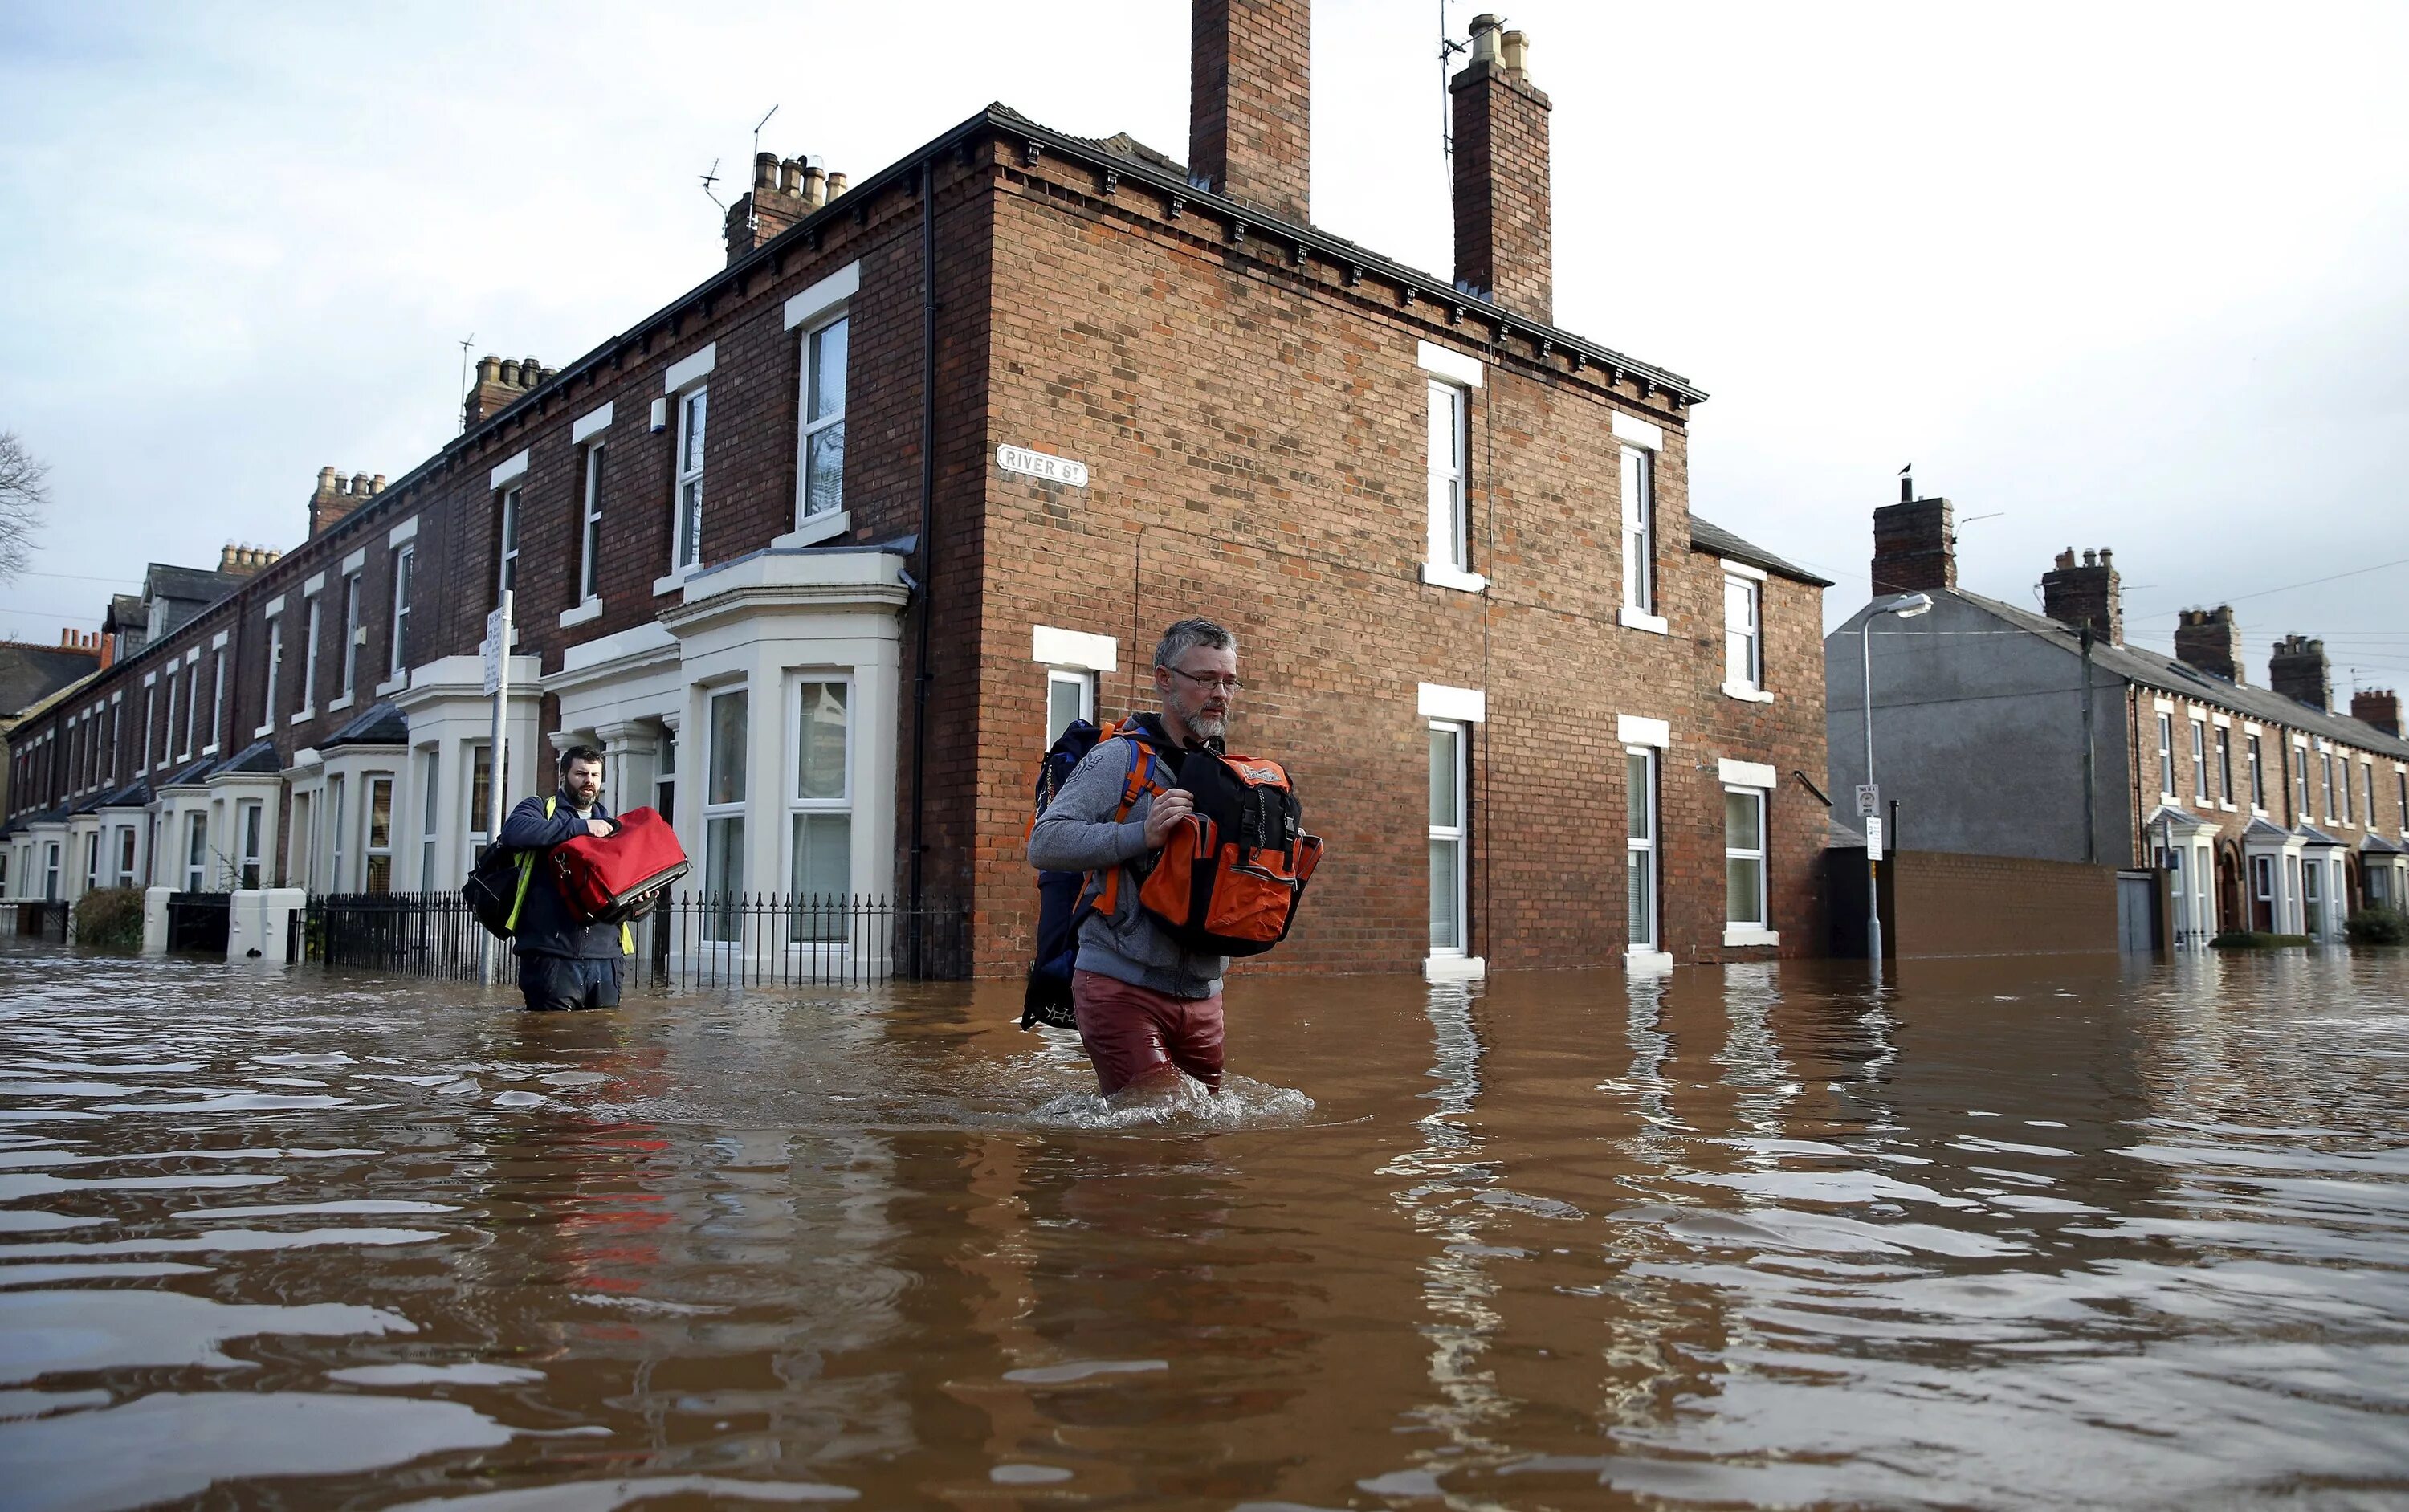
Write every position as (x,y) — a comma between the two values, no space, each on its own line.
(928,538)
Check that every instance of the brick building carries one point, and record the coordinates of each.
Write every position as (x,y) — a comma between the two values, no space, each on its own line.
(2272,809)
(822,550)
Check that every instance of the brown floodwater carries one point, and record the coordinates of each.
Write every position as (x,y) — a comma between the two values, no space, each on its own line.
(2012,1232)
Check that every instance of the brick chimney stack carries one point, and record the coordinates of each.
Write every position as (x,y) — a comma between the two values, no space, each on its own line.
(1504,235)
(1250,102)
(1915,544)
(2379,706)
(784,191)
(2210,640)
(2086,595)
(334,498)
(2297,670)
(246,561)
(501,381)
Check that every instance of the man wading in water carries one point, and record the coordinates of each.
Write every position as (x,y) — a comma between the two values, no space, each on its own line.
(1146,1008)
(563,963)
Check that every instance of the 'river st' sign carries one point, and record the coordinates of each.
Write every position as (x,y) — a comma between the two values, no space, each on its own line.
(1054,469)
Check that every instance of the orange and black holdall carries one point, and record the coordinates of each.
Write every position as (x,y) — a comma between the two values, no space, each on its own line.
(1231,873)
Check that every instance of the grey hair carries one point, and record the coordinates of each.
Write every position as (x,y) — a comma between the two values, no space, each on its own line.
(1180,638)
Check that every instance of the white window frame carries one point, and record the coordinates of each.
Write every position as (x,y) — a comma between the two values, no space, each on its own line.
(191,703)
(351,586)
(370,852)
(691,409)
(335,793)
(2325,763)
(2166,754)
(2301,786)
(1456,835)
(2198,760)
(405,562)
(2367,769)
(197,850)
(1636,493)
(1077,678)
(589,522)
(167,732)
(251,823)
(150,718)
(430,815)
(217,701)
(275,664)
(806,429)
(1648,848)
(2342,790)
(507,526)
(1448,479)
(2257,762)
(479,813)
(2225,766)
(1747,679)
(309,660)
(800,807)
(718,813)
(1759,930)
(129,845)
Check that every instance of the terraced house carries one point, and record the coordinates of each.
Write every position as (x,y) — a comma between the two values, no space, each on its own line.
(823,550)
(2271,810)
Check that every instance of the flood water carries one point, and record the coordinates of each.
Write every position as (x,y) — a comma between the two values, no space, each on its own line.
(2016,1232)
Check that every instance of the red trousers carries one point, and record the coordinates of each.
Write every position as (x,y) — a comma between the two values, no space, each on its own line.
(1133,1032)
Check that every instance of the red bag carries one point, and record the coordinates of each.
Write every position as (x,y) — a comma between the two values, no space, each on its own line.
(601,875)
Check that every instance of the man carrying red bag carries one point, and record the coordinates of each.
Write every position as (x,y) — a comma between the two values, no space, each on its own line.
(564,962)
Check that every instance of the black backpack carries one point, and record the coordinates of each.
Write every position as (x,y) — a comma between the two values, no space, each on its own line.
(494,889)
(1047,1001)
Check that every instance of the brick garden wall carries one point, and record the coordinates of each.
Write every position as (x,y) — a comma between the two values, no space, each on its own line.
(1948,904)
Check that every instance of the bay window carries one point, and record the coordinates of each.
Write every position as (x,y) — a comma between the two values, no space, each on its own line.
(819,807)
(723,809)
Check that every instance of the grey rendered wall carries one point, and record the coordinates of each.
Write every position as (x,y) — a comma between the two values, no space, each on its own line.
(1978,736)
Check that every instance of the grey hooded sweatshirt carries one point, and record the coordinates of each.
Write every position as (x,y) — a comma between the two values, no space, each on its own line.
(1076,834)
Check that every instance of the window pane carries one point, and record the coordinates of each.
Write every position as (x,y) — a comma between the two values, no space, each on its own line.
(1065,700)
(1744,885)
(1447,928)
(1740,829)
(481,788)
(823,854)
(1639,874)
(696,405)
(819,746)
(380,873)
(828,370)
(1444,431)
(723,867)
(690,524)
(727,722)
(1445,803)
(1641,820)
(825,470)
(380,813)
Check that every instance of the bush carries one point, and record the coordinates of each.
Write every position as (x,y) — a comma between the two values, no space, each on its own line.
(2254,939)
(110,918)
(2377,927)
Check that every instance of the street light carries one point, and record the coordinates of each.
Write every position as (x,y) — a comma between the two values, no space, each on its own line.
(1906,607)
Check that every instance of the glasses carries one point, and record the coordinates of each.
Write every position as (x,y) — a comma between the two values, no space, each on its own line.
(1227,684)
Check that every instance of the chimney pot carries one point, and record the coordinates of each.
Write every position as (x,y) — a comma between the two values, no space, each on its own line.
(360,484)
(2087,596)
(2210,640)
(765,170)
(325,480)
(531,371)
(510,371)
(1504,204)
(376,484)
(837,183)
(2066,560)
(790,177)
(1514,51)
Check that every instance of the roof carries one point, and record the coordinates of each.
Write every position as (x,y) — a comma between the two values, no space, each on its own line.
(28,674)
(193,583)
(1707,536)
(258,756)
(2169,675)
(379,724)
(190,774)
(125,612)
(133,795)
(2378,843)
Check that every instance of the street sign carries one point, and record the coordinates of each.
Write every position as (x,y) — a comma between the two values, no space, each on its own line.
(1873,838)
(1054,469)
(1868,800)
(497,634)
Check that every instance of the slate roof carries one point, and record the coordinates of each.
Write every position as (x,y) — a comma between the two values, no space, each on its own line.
(190,774)
(133,795)
(28,674)
(2170,676)
(125,612)
(1707,536)
(165,579)
(259,757)
(379,724)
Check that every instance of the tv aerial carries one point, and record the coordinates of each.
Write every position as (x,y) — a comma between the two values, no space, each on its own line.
(710,178)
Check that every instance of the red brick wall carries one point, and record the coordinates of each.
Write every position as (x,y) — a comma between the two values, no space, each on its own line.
(1947,905)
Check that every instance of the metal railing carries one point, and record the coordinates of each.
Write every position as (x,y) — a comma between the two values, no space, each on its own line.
(689,941)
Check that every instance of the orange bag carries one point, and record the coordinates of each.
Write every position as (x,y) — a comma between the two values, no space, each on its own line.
(1231,873)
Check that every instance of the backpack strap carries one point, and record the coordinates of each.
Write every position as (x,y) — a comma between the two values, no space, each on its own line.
(527,874)
(1103,889)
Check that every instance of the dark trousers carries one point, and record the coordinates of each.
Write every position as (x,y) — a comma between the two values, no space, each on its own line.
(552,982)
(1131,1033)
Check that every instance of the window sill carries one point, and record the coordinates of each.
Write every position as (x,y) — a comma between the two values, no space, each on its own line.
(1749,934)
(211,749)
(1746,694)
(1632,619)
(825,526)
(304,716)
(2227,808)
(1448,575)
(590,609)
(393,684)
(268,728)
(675,580)
(1642,962)
(339,704)
(1453,969)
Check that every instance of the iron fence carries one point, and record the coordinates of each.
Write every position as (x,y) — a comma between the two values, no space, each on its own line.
(689,941)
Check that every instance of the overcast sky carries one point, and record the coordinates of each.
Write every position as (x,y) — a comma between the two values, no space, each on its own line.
(2124,275)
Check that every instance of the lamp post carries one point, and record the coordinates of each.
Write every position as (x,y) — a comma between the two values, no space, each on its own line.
(1906,607)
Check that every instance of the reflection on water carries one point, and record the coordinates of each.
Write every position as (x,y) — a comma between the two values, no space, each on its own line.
(2010,1234)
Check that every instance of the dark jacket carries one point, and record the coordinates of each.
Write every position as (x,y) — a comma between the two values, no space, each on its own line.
(546,927)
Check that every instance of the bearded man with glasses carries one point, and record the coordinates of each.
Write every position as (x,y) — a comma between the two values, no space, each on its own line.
(1147,1008)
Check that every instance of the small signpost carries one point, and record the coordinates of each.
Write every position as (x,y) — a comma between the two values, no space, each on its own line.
(1868,800)
(1873,837)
